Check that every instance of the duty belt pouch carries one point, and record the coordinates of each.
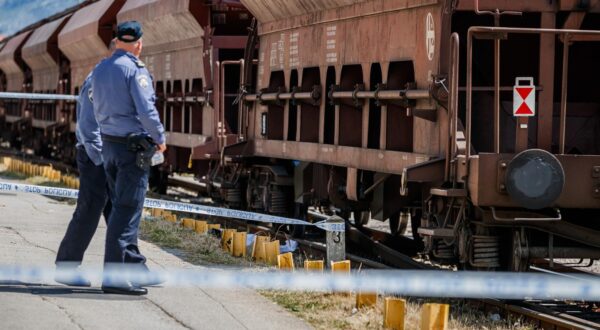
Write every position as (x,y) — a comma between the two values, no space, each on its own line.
(144,148)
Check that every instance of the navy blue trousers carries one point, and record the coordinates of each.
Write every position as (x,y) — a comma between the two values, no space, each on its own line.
(127,184)
(92,201)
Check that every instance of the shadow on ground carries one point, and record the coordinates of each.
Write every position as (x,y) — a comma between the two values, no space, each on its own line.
(62,291)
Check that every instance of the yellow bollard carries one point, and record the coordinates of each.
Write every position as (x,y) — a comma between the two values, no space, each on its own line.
(172,218)
(239,244)
(271,252)
(340,266)
(227,240)
(394,310)
(434,316)
(187,223)
(201,227)
(285,261)
(156,213)
(214,226)
(364,299)
(314,265)
(258,248)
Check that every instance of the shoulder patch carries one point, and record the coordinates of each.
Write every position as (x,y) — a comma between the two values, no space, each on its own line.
(143,81)
(140,64)
(90,95)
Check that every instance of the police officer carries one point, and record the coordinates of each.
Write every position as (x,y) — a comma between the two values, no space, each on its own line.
(92,200)
(124,107)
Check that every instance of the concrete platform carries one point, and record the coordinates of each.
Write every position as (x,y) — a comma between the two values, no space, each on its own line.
(31,228)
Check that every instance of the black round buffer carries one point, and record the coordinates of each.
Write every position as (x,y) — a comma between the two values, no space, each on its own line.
(535,179)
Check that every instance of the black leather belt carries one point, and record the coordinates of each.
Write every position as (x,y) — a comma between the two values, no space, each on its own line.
(115,139)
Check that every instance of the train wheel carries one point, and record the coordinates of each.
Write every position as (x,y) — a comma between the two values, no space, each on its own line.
(398,223)
(520,257)
(361,218)
(415,223)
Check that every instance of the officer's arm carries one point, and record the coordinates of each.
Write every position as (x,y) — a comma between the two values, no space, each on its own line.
(142,92)
(88,126)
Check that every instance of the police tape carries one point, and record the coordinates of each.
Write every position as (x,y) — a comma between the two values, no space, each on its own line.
(38,96)
(179,207)
(417,283)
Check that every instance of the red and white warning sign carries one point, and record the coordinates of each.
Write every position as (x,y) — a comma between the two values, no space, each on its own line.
(524,97)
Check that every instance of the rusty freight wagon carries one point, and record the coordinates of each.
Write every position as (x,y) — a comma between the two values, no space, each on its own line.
(478,121)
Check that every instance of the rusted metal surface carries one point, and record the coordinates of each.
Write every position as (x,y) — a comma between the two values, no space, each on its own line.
(173,36)
(11,63)
(406,20)
(568,5)
(578,191)
(84,39)
(40,52)
(373,160)
(524,6)
(271,10)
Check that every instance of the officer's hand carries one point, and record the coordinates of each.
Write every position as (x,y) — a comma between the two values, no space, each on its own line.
(161,147)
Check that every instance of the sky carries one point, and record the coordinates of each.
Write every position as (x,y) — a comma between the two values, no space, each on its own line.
(17,14)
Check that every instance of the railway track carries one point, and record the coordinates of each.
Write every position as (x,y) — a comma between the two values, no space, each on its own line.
(371,248)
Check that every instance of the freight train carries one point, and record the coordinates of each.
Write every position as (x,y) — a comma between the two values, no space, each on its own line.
(477,122)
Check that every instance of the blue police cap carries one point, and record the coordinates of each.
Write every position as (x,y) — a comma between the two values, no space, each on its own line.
(129,31)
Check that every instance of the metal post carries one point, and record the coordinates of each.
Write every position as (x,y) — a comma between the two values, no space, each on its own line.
(563,95)
(335,242)
(497,95)
(241,107)
(453,102)
(469,91)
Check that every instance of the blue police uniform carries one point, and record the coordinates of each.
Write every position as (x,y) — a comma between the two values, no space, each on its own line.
(93,194)
(124,105)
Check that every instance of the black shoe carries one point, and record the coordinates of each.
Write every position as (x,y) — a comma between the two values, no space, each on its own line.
(147,278)
(127,290)
(149,282)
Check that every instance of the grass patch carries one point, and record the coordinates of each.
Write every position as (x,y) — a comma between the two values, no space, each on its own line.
(203,249)
(336,311)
